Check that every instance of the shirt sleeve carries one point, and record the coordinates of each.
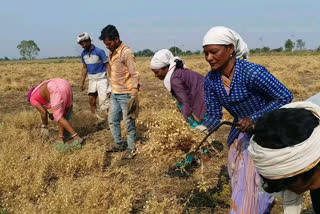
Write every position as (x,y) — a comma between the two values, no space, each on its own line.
(130,62)
(267,85)
(213,108)
(180,92)
(34,102)
(82,60)
(103,56)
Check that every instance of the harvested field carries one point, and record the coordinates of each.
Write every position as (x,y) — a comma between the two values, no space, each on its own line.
(35,178)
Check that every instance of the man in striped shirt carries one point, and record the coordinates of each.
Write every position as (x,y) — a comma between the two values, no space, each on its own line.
(124,82)
(94,62)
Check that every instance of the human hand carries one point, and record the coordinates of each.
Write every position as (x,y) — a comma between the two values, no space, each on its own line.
(44,131)
(133,107)
(201,128)
(245,124)
(82,87)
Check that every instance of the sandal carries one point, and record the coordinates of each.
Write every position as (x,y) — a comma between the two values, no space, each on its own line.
(61,147)
(76,144)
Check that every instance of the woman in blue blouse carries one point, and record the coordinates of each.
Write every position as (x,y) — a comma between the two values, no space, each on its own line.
(247,91)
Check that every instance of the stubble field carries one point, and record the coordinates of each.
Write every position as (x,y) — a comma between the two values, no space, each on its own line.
(35,178)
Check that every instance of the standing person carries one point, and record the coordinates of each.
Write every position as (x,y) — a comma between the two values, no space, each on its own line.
(246,90)
(94,61)
(124,97)
(55,94)
(285,148)
(186,86)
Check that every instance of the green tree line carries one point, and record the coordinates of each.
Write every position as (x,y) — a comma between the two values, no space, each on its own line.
(174,50)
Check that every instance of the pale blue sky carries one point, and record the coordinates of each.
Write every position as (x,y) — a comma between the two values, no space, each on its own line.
(142,24)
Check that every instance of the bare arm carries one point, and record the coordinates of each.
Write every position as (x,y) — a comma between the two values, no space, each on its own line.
(83,76)
(108,69)
(43,114)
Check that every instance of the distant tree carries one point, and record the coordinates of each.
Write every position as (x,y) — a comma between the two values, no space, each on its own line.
(147,52)
(175,50)
(188,52)
(265,49)
(6,58)
(252,51)
(28,49)
(197,52)
(256,50)
(300,44)
(277,49)
(289,45)
(138,53)
(318,49)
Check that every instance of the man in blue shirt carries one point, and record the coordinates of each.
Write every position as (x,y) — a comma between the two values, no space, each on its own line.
(94,62)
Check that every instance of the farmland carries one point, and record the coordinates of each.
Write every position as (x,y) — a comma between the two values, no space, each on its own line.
(35,178)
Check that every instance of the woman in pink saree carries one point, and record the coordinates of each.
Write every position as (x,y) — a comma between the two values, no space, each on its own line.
(54,94)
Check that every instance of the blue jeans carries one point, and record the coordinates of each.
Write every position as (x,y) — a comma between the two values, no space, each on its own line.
(117,112)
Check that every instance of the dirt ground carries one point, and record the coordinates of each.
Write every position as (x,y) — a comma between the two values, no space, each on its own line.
(38,179)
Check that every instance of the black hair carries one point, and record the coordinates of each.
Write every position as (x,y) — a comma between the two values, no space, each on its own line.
(89,39)
(110,32)
(283,128)
(278,185)
(179,64)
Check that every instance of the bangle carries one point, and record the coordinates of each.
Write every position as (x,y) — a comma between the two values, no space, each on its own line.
(44,126)
(74,135)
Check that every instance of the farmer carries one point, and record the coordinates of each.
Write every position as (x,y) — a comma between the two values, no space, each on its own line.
(186,86)
(94,63)
(285,150)
(247,91)
(54,94)
(124,97)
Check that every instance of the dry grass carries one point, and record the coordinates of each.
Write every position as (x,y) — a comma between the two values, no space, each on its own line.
(37,179)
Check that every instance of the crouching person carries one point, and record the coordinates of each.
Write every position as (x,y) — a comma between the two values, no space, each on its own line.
(55,94)
(185,86)
(285,149)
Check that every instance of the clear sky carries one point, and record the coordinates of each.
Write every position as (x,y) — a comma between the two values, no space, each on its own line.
(54,25)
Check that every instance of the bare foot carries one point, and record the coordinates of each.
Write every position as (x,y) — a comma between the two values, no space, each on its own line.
(77,138)
(59,140)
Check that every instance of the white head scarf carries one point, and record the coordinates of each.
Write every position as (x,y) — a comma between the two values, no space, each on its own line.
(220,35)
(288,161)
(82,37)
(161,59)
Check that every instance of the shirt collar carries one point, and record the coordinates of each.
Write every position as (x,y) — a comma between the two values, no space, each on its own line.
(118,48)
(93,47)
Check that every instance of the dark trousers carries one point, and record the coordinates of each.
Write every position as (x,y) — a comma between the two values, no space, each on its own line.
(315,197)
